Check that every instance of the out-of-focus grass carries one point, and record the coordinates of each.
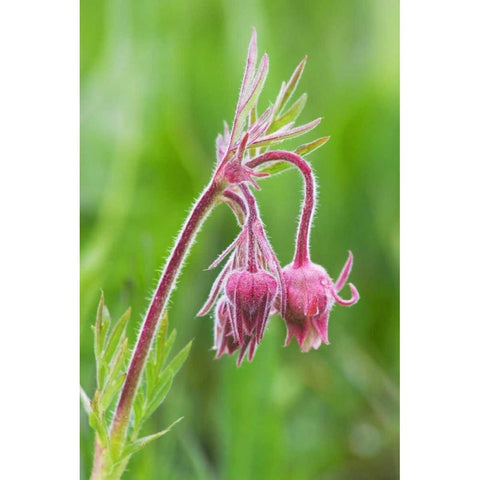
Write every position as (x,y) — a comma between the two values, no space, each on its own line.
(157,80)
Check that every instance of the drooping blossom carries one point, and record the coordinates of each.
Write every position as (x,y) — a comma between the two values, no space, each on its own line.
(250,281)
(250,299)
(311,294)
(251,286)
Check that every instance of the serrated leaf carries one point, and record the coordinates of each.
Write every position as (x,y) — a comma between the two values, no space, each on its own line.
(114,337)
(159,395)
(304,150)
(111,390)
(292,83)
(180,358)
(138,444)
(290,115)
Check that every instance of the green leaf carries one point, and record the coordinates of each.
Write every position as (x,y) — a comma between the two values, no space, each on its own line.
(159,395)
(281,136)
(111,390)
(167,346)
(275,168)
(154,361)
(102,372)
(150,375)
(100,331)
(253,116)
(161,337)
(116,334)
(139,407)
(180,358)
(304,150)
(137,445)
(110,386)
(98,423)
(97,330)
(290,115)
(278,100)
(118,360)
(292,84)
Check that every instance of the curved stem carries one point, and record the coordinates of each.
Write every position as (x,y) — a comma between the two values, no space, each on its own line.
(302,253)
(155,310)
(237,205)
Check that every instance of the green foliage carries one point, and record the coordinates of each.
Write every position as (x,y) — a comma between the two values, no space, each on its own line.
(111,356)
(158,376)
(303,151)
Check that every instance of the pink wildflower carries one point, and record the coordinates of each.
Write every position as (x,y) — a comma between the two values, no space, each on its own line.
(249,288)
(311,295)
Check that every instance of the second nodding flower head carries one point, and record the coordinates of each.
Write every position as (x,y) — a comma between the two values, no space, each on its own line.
(311,294)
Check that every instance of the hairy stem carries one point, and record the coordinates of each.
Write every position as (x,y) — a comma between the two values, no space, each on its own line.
(302,251)
(251,220)
(237,205)
(155,310)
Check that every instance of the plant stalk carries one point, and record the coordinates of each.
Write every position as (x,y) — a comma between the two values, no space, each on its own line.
(121,418)
(302,250)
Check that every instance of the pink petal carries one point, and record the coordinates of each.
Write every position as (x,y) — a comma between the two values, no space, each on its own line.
(219,259)
(321,325)
(339,284)
(217,285)
(346,303)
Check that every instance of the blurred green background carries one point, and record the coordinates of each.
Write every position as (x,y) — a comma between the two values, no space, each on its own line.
(157,80)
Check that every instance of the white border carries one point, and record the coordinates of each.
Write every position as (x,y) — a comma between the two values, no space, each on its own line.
(39,111)
(440,323)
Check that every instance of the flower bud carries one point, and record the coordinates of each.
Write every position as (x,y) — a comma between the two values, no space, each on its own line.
(311,295)
(250,297)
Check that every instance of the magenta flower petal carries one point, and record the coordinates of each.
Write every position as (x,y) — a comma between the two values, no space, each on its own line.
(321,326)
(347,303)
(342,278)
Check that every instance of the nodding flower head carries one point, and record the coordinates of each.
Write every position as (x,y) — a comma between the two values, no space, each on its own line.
(310,295)
(241,315)
(250,297)
(251,281)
